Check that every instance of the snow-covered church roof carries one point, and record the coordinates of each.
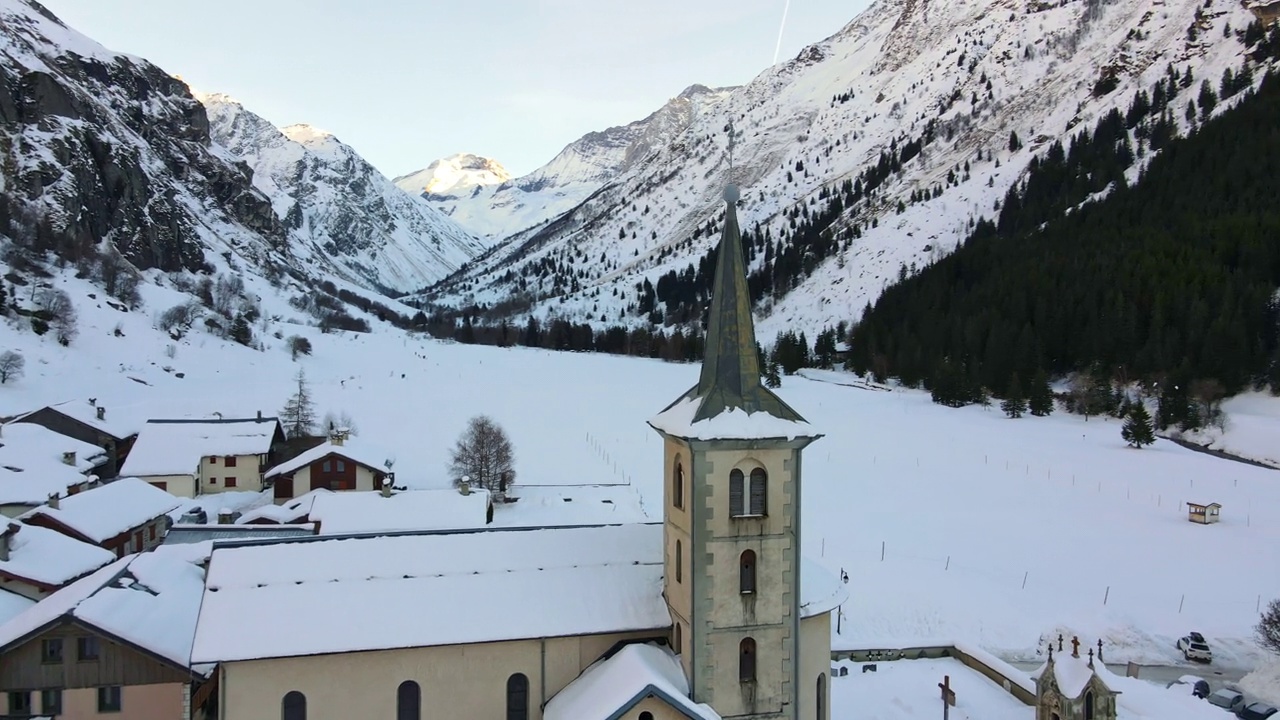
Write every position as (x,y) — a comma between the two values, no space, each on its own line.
(612,686)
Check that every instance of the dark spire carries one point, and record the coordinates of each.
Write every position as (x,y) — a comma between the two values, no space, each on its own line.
(731,368)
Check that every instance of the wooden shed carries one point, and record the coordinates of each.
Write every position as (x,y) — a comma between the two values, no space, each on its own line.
(1203,514)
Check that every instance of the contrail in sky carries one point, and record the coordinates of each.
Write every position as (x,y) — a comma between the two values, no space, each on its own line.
(778,48)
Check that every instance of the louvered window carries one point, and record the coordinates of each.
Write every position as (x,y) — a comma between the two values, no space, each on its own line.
(759,492)
(747,660)
(747,572)
(736,508)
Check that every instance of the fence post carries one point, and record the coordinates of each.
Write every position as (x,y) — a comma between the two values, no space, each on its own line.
(1180,602)
(1024,579)
(881,551)
(1104,600)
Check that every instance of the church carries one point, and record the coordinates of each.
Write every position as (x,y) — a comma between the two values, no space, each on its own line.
(711,613)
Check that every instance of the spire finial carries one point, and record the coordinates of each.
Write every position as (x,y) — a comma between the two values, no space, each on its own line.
(733,138)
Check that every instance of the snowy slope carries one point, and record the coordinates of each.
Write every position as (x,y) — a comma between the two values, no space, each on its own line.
(981,69)
(326,193)
(497,211)
(455,175)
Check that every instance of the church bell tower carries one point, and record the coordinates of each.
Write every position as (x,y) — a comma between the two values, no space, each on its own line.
(732,462)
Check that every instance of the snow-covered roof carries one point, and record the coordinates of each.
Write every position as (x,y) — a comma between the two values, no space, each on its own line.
(104,512)
(732,424)
(355,451)
(615,573)
(346,513)
(150,600)
(1072,674)
(611,686)
(194,534)
(49,558)
(87,413)
(294,511)
(559,505)
(32,466)
(175,447)
(12,605)
(820,590)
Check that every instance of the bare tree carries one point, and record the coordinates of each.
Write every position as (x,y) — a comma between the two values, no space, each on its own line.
(298,345)
(226,289)
(340,421)
(11,365)
(1268,628)
(485,455)
(178,319)
(299,413)
(1208,394)
(57,305)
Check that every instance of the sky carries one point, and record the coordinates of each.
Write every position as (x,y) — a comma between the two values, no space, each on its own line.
(406,82)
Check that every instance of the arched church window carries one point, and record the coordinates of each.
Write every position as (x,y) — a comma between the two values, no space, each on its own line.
(408,701)
(294,706)
(518,697)
(677,485)
(822,697)
(679,562)
(747,660)
(747,572)
(759,492)
(736,505)
(1088,705)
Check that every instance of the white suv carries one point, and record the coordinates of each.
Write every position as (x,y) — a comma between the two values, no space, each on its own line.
(1194,647)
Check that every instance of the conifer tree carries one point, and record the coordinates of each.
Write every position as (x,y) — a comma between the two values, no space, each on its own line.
(772,378)
(1137,430)
(1015,403)
(1041,397)
(298,416)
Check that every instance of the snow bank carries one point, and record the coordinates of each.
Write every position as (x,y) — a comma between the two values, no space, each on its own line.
(1264,682)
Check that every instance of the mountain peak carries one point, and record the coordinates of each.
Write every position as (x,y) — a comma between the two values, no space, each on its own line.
(309,135)
(453,175)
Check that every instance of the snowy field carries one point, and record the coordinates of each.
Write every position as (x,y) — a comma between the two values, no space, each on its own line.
(958,524)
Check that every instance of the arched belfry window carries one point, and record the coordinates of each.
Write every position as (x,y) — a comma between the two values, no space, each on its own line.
(408,701)
(294,706)
(822,697)
(759,492)
(677,484)
(747,572)
(736,506)
(518,697)
(747,660)
(679,562)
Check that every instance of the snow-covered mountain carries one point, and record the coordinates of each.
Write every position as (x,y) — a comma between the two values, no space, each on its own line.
(959,77)
(454,175)
(324,191)
(497,211)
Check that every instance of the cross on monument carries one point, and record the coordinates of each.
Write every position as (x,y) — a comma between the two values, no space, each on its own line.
(948,696)
(1075,647)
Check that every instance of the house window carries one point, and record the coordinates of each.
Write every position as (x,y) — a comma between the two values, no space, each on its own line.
(161,484)
(109,699)
(294,706)
(518,697)
(50,702)
(230,461)
(1088,705)
(342,467)
(213,481)
(759,486)
(51,651)
(213,460)
(736,508)
(151,532)
(20,703)
(747,660)
(231,482)
(747,572)
(679,639)
(677,485)
(408,701)
(679,562)
(86,648)
(327,466)
(821,704)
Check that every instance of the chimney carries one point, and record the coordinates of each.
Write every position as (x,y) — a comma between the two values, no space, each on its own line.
(53,501)
(102,413)
(4,545)
(338,437)
(93,402)
(69,458)
(387,483)
(259,416)
(464,487)
(225,516)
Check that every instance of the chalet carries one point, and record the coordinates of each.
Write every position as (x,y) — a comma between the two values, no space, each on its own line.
(87,421)
(335,465)
(37,561)
(117,641)
(194,457)
(37,463)
(125,516)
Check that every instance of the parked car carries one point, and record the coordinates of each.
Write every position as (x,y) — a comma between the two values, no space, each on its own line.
(1193,649)
(1227,699)
(1256,711)
(1198,686)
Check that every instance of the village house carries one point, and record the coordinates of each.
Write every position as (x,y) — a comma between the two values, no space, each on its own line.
(195,457)
(87,421)
(710,613)
(292,512)
(37,561)
(125,516)
(117,642)
(37,463)
(339,464)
